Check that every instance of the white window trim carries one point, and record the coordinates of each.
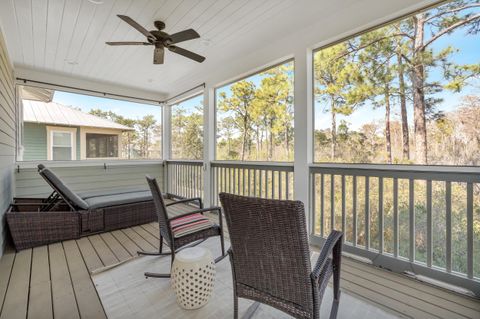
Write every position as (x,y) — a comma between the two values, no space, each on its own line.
(95,130)
(60,129)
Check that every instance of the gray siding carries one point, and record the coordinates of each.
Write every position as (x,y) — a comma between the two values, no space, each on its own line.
(88,178)
(7,136)
(35,142)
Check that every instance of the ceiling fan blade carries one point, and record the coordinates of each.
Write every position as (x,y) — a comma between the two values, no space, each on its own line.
(186,53)
(158,55)
(185,35)
(137,26)
(128,43)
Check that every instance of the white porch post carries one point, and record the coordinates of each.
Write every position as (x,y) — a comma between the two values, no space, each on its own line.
(208,142)
(166,142)
(303,128)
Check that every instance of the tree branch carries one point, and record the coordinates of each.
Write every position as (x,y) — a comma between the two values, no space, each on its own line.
(447,30)
(452,11)
(371,43)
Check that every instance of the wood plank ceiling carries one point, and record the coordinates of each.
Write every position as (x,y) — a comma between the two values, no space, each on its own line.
(68,36)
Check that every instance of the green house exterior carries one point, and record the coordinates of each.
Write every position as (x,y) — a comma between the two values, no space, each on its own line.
(52,131)
(35,142)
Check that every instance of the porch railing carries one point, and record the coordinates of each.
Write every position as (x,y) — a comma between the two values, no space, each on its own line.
(185,178)
(422,219)
(267,180)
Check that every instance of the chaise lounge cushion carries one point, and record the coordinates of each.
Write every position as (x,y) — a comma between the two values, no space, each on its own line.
(118,199)
(63,189)
(114,191)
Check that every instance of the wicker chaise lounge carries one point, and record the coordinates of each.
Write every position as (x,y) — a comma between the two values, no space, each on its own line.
(66,214)
(270,257)
(108,210)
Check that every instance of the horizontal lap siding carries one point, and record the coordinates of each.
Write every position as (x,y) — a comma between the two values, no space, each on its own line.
(34,142)
(7,135)
(88,178)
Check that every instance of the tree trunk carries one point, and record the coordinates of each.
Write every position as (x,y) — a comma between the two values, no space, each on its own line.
(388,139)
(333,151)
(257,147)
(403,108)
(418,82)
(287,142)
(270,151)
(244,142)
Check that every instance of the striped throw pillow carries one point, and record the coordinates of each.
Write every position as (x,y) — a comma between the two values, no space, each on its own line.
(189,224)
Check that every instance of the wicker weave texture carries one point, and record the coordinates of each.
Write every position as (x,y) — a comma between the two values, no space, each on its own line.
(271,259)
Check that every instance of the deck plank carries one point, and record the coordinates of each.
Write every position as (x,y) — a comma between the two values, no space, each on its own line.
(6,264)
(461,304)
(16,298)
(139,240)
(89,254)
(126,242)
(88,302)
(147,236)
(407,300)
(105,254)
(384,300)
(40,299)
(151,230)
(118,250)
(63,295)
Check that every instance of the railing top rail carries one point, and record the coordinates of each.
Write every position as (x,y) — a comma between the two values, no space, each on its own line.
(281,166)
(185,162)
(427,172)
(87,163)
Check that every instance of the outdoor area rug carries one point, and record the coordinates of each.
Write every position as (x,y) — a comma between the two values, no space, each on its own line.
(126,293)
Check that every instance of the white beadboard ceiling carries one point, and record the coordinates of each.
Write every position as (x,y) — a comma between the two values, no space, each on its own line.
(67,37)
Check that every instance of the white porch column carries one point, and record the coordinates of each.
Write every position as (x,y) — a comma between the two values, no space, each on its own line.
(208,141)
(166,142)
(303,127)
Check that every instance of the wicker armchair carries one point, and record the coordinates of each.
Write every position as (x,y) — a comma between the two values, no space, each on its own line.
(189,238)
(270,256)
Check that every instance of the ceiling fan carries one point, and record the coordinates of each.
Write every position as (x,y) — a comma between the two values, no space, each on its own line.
(162,40)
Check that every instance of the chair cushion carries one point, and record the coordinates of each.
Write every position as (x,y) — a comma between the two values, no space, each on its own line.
(189,224)
(114,191)
(118,199)
(63,189)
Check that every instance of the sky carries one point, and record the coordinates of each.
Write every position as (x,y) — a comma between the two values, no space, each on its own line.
(127,109)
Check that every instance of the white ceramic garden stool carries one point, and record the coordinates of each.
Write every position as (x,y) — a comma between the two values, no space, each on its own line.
(193,276)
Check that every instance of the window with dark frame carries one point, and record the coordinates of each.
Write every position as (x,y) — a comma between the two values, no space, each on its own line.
(101,145)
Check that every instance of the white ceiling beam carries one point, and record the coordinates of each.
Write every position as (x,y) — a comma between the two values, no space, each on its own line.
(61,80)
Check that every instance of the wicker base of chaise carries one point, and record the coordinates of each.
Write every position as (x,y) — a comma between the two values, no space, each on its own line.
(29,227)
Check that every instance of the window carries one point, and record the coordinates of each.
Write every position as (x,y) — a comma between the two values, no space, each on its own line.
(61,146)
(102,145)
(99,127)
(61,143)
(187,129)
(254,117)
(404,93)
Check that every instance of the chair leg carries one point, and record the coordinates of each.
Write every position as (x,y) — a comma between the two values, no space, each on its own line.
(222,245)
(335,304)
(235,306)
(158,275)
(159,253)
(251,310)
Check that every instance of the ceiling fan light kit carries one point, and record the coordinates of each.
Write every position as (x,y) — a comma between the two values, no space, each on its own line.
(162,40)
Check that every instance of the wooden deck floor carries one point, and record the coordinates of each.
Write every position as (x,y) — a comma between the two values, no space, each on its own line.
(54,280)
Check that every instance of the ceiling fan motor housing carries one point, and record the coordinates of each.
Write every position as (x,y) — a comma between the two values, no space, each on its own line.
(160,25)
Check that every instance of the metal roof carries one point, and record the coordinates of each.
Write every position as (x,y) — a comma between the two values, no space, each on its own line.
(58,114)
